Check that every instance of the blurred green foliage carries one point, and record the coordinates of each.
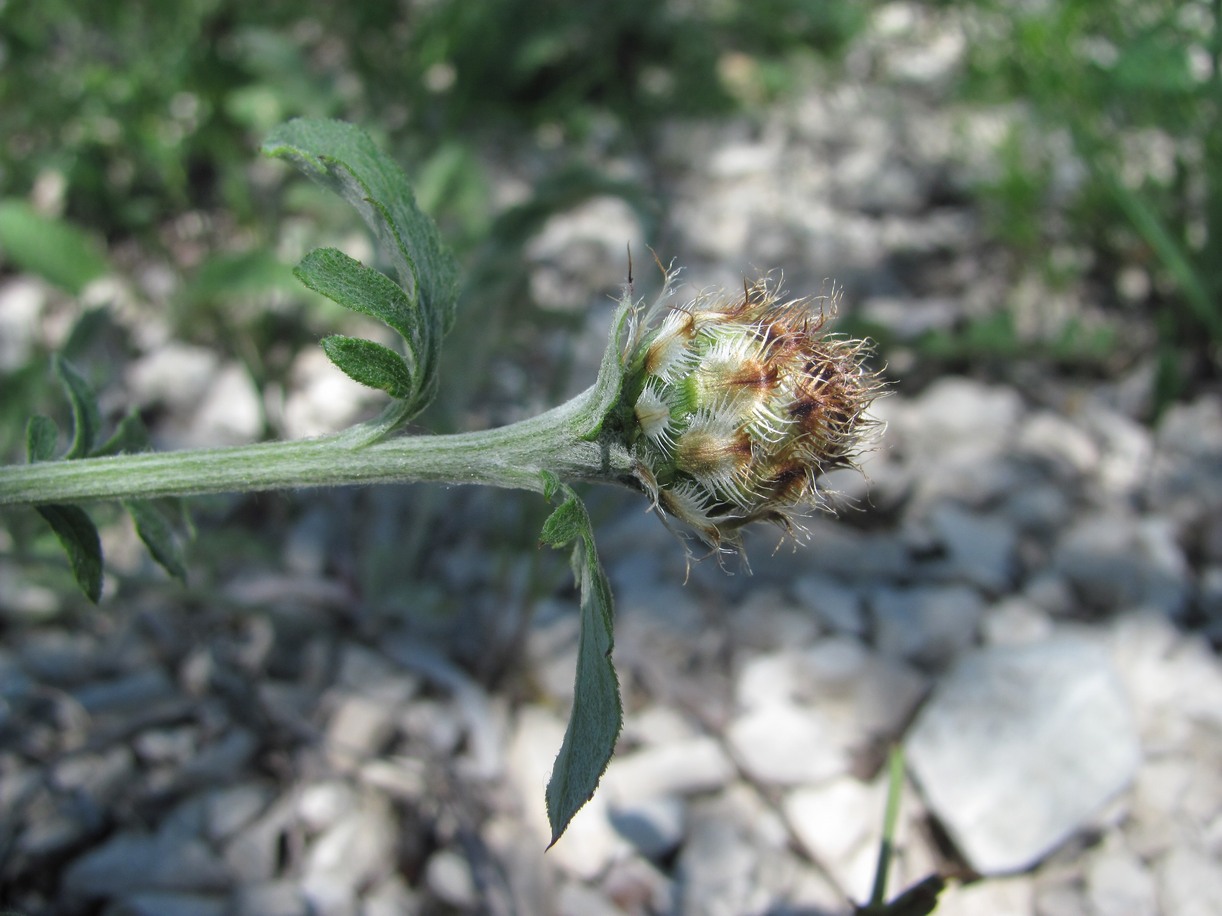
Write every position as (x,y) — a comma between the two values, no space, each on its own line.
(148,110)
(1133,89)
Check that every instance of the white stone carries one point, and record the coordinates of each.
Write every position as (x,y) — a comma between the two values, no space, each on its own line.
(787,745)
(359,728)
(231,412)
(355,849)
(1020,747)
(680,768)
(1015,621)
(1117,881)
(995,897)
(1065,445)
(322,804)
(1189,883)
(448,875)
(833,820)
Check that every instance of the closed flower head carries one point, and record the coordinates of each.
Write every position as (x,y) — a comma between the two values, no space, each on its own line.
(740,402)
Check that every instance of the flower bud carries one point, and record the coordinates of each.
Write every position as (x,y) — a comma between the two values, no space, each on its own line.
(739,402)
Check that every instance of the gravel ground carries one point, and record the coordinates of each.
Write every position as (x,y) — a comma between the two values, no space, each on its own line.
(1025,587)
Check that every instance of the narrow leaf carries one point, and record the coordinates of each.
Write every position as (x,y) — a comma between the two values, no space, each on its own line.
(41,435)
(129,437)
(370,364)
(79,538)
(158,535)
(345,160)
(55,250)
(597,715)
(86,419)
(351,284)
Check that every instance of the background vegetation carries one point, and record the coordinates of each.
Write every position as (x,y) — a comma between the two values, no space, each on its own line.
(129,132)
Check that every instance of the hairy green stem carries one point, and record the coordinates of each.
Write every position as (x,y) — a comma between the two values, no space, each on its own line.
(511,456)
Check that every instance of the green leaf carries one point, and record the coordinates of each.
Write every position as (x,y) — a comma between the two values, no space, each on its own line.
(55,250)
(597,715)
(564,525)
(370,364)
(41,435)
(79,538)
(86,419)
(130,436)
(157,533)
(343,159)
(354,286)
(368,292)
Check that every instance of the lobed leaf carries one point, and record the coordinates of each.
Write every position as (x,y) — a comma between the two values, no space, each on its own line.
(597,715)
(79,538)
(343,159)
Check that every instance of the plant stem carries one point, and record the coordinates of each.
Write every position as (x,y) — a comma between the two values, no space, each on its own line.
(511,456)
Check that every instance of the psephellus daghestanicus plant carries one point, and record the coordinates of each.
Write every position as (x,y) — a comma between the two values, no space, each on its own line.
(723,410)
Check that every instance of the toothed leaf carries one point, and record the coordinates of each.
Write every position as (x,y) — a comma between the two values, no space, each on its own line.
(597,714)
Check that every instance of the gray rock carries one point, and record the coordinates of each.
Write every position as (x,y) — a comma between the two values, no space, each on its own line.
(131,861)
(253,854)
(166,903)
(229,809)
(652,824)
(223,760)
(100,777)
(979,549)
(1019,747)
(929,625)
(838,607)
(274,898)
(138,689)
